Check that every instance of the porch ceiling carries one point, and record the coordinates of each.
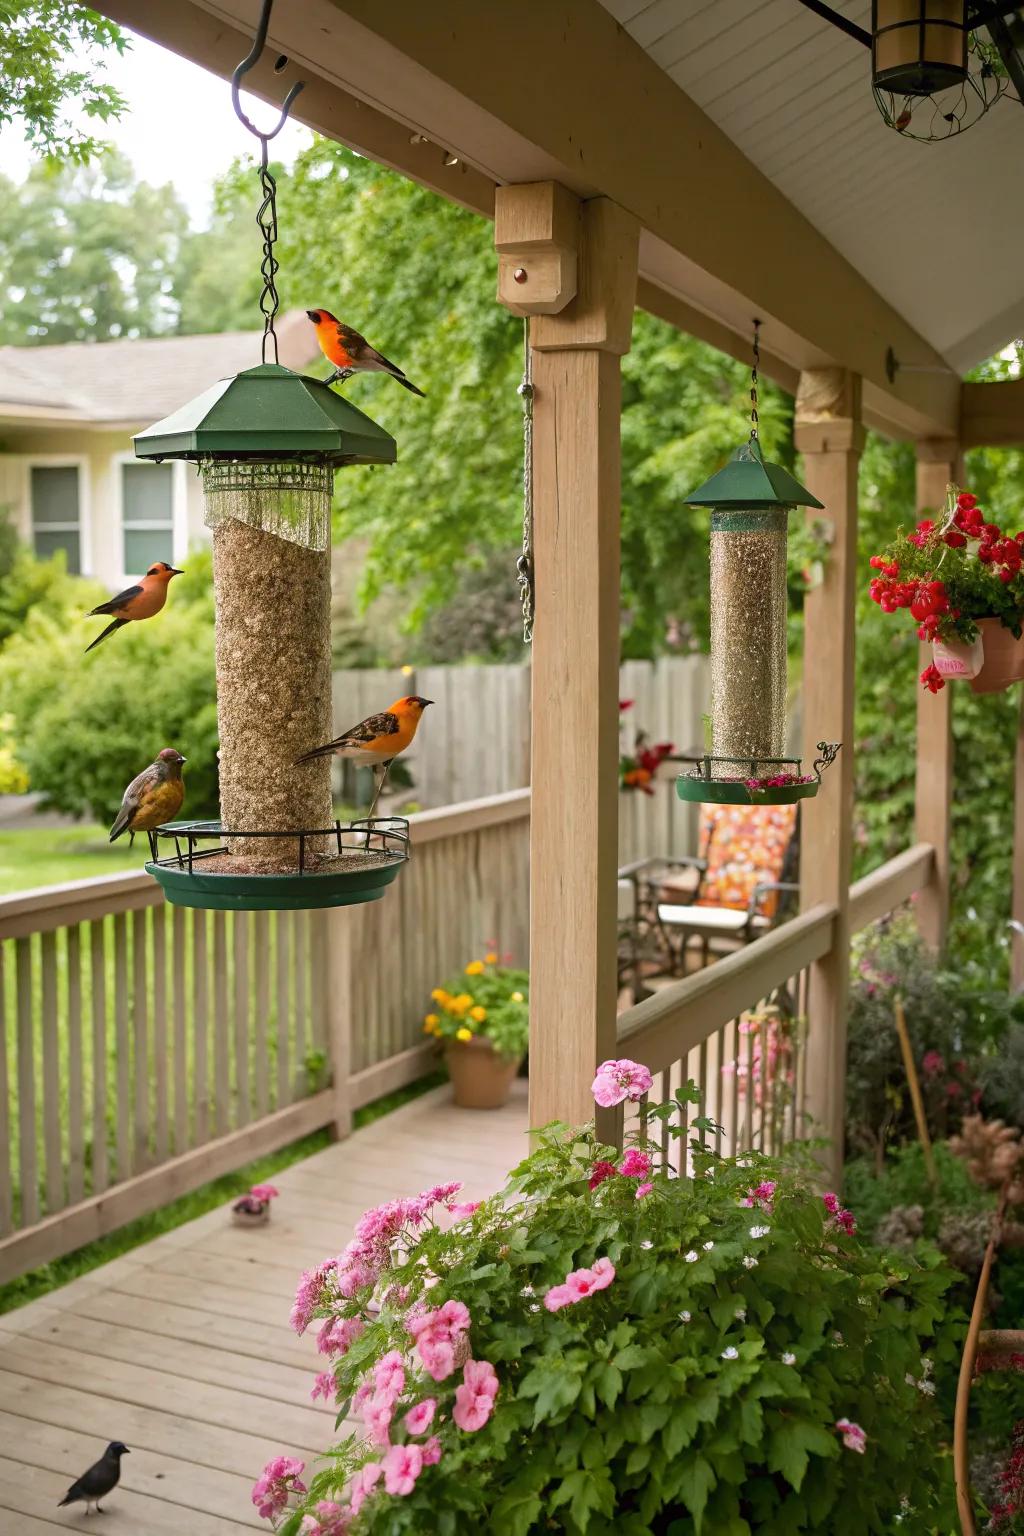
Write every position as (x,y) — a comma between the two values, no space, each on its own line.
(768,185)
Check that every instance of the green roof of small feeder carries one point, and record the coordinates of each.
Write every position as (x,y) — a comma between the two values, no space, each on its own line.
(266,413)
(749,482)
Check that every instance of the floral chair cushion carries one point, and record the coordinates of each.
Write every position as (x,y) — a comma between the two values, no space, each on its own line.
(744,846)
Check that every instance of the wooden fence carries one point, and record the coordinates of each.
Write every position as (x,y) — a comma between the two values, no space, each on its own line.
(145,1049)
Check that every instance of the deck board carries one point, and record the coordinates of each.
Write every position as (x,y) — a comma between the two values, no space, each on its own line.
(182,1347)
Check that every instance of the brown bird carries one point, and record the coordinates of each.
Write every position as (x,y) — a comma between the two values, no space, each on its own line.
(139,602)
(377,740)
(351,353)
(154,796)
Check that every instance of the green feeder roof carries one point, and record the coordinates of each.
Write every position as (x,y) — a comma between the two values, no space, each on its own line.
(265,413)
(748,481)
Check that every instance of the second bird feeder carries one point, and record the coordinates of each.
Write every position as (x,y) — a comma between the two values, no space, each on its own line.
(750,500)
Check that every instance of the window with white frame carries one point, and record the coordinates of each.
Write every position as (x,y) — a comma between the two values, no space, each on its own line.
(147,514)
(56,515)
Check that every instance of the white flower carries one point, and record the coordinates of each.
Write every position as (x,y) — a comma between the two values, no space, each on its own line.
(692,1256)
(926,1365)
(684,1317)
(534,1306)
(527,1290)
(927,1387)
(646,1243)
(732,1353)
(789,1358)
(911,1381)
(749,1262)
(708,1245)
(759,1231)
(740,1314)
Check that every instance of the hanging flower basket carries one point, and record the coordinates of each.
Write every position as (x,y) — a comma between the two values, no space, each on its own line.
(962,580)
(760,781)
(340,866)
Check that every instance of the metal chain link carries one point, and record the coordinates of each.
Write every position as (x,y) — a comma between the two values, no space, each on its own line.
(524,565)
(753,381)
(266,221)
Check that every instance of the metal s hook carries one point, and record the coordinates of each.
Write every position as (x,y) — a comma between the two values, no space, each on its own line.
(251,59)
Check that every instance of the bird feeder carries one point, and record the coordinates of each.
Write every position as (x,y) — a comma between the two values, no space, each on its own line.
(267,444)
(750,500)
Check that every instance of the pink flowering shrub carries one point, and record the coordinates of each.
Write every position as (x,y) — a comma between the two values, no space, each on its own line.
(568,1357)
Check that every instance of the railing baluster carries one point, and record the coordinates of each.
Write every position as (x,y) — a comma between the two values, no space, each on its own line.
(6,1181)
(301,971)
(178,973)
(161,1059)
(76,1108)
(122,1045)
(762,1036)
(51,1077)
(28,1175)
(261,940)
(221,1033)
(284,1022)
(719,1088)
(243,1103)
(140,1038)
(98,978)
(200,1026)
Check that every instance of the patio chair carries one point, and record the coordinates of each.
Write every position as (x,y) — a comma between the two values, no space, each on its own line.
(738,888)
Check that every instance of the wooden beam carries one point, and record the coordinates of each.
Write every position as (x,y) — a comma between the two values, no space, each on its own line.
(576,511)
(830,435)
(1017,912)
(992,415)
(890,885)
(464,97)
(938,462)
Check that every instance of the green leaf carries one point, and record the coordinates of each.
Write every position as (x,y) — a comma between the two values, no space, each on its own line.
(696,1480)
(790,1446)
(553,1387)
(516,1513)
(608,1384)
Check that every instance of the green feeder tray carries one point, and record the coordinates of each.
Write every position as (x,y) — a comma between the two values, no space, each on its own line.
(705,787)
(367,856)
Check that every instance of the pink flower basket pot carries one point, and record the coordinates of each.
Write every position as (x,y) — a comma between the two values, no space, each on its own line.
(248,1212)
(991,662)
(481,1079)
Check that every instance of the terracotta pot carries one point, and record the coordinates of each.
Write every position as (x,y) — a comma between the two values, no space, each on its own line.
(1004,658)
(480,1077)
(243,1216)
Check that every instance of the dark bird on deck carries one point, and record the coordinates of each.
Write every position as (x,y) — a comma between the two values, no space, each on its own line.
(377,740)
(154,796)
(351,353)
(100,1479)
(139,602)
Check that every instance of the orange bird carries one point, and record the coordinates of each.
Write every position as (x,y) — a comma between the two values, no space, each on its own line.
(154,796)
(377,740)
(351,353)
(138,602)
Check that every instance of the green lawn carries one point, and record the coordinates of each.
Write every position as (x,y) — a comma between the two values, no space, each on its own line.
(33,856)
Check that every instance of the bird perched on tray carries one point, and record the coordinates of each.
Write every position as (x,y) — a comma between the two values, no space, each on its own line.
(351,353)
(139,602)
(377,740)
(102,1477)
(154,796)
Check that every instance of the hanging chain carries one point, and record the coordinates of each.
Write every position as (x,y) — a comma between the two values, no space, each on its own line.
(753,381)
(524,565)
(266,220)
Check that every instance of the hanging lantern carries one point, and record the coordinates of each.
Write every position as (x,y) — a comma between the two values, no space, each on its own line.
(750,500)
(267,443)
(918,46)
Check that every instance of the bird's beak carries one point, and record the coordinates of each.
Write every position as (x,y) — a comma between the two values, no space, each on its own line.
(181,759)
(314,315)
(425,702)
(173,571)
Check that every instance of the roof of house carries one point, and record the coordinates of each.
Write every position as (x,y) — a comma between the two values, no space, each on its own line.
(136,380)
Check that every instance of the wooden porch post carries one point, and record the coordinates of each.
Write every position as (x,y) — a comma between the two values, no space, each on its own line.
(1017,906)
(830,436)
(581,315)
(938,462)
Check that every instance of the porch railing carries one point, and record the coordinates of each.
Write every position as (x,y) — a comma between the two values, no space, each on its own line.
(146,1049)
(738,1028)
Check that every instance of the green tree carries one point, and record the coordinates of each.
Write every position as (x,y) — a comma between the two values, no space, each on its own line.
(217,281)
(88,253)
(51,53)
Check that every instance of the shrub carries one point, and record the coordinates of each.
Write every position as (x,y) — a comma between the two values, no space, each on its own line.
(489,1000)
(605,1348)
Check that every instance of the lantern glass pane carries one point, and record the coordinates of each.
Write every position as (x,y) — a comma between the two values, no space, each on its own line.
(748,640)
(291,500)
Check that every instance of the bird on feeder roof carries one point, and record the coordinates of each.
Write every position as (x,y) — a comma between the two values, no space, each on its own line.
(154,796)
(351,353)
(142,601)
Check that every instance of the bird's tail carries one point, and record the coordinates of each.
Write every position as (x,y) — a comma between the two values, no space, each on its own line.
(409,385)
(307,757)
(120,826)
(67,1499)
(108,631)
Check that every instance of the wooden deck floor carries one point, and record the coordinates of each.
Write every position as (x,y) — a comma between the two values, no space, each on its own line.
(182,1347)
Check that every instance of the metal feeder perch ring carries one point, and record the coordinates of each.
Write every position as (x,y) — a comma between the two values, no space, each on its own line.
(709,784)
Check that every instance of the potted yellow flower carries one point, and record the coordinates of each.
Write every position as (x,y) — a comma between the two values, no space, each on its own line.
(482,1020)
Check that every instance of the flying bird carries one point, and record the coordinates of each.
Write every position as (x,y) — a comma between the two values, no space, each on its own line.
(154,796)
(102,1477)
(377,740)
(351,353)
(139,602)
